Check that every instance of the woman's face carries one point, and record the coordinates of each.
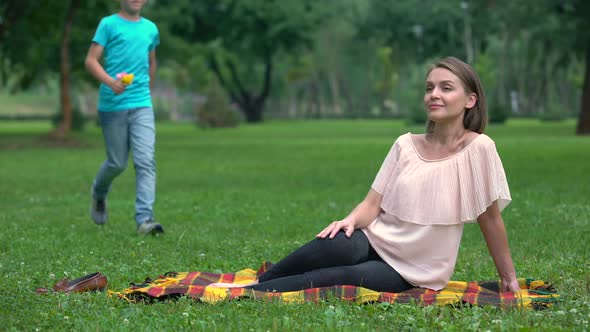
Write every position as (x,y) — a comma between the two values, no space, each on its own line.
(445,98)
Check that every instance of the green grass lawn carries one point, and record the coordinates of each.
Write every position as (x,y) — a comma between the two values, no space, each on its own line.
(232,198)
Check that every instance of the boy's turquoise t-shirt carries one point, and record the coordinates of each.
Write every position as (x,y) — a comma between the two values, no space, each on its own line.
(126,49)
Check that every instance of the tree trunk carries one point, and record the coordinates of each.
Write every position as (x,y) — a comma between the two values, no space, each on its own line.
(468,38)
(252,112)
(64,84)
(584,119)
(292,110)
(251,106)
(335,89)
(501,91)
(350,99)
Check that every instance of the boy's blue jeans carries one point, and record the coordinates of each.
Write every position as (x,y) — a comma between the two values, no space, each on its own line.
(124,131)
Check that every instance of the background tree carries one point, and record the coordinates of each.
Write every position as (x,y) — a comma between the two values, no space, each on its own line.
(243,38)
(315,59)
(64,127)
(577,15)
(36,43)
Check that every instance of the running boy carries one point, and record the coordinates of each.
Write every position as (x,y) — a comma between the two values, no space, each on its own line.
(128,42)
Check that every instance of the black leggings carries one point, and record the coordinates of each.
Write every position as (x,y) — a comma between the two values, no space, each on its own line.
(329,262)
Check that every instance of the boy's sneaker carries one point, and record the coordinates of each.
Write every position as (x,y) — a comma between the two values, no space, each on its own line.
(98,211)
(150,227)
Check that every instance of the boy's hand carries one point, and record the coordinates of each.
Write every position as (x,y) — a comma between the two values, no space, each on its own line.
(125,78)
(117,86)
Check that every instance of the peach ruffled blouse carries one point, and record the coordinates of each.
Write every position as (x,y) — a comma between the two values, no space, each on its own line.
(426,203)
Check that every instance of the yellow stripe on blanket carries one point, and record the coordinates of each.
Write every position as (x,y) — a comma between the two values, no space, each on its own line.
(214,294)
(452,293)
(365,295)
(245,276)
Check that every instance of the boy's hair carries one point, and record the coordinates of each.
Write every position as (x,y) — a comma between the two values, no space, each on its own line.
(476,118)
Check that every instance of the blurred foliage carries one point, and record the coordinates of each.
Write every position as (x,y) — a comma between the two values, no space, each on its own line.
(486,70)
(315,59)
(30,33)
(412,96)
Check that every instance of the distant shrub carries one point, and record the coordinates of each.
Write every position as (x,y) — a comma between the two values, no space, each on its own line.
(416,115)
(497,113)
(161,109)
(552,114)
(216,111)
(78,119)
(161,114)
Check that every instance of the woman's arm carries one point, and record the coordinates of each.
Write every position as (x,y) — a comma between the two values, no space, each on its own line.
(361,216)
(492,227)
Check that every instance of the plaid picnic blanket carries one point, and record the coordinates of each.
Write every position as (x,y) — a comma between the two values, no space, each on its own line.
(535,294)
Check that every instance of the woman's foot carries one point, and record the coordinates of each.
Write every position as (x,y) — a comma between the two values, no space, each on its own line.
(231,285)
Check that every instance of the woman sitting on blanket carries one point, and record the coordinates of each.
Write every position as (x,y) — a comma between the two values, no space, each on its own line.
(409,226)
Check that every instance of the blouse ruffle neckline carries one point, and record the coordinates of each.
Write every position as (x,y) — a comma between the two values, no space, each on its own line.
(439,159)
(452,190)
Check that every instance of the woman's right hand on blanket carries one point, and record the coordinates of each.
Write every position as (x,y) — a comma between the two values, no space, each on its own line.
(333,228)
(509,285)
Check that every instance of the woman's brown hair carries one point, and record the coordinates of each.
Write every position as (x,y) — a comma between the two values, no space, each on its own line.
(476,118)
